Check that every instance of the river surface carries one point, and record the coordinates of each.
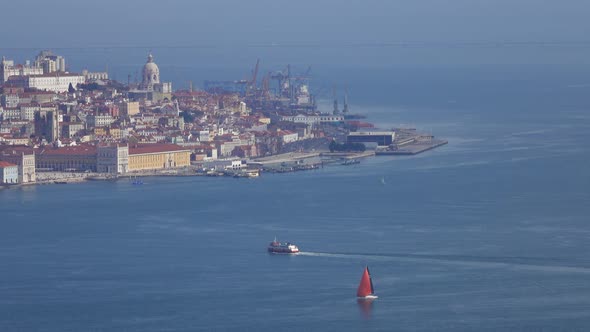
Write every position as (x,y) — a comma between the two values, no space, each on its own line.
(491,232)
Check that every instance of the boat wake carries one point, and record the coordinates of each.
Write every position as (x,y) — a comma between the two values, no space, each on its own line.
(513,263)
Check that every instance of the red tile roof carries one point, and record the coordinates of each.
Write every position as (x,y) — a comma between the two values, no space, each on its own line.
(6,164)
(15,149)
(80,150)
(154,148)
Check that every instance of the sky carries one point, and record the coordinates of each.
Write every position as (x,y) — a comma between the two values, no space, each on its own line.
(367,31)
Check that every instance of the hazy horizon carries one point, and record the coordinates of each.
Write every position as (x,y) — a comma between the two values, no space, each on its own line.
(377,33)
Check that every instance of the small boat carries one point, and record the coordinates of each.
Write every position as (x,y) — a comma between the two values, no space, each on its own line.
(350,162)
(365,290)
(276,247)
(136,181)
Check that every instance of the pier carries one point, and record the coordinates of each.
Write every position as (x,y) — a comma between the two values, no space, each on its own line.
(412,148)
(409,142)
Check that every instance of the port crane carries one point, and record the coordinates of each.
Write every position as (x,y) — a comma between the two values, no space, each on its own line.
(251,88)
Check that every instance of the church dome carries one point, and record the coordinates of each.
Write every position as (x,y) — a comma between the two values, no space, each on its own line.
(151,73)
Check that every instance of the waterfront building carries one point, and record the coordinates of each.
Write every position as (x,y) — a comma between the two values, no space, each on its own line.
(8,173)
(311,119)
(56,82)
(157,156)
(24,158)
(288,136)
(381,138)
(227,143)
(225,164)
(70,158)
(8,69)
(112,158)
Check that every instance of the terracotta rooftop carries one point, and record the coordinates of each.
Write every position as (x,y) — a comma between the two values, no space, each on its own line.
(154,148)
(84,150)
(6,164)
(15,149)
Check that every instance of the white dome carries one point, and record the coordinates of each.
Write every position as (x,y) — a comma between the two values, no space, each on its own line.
(151,68)
(151,73)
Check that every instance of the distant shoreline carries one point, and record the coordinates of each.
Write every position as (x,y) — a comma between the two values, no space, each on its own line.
(281,163)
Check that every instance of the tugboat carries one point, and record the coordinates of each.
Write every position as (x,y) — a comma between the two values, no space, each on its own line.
(276,247)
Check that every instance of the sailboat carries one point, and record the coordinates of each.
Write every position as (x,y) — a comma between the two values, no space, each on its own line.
(365,290)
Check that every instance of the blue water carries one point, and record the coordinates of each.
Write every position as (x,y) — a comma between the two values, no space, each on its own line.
(490,232)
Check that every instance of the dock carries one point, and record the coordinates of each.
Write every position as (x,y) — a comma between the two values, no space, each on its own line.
(412,148)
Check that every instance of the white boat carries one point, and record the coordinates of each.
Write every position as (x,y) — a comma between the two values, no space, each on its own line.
(276,247)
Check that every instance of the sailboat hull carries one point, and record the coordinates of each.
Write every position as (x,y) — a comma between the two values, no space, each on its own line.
(368,297)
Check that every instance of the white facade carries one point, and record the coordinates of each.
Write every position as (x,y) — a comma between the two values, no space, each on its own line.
(203,136)
(70,129)
(313,119)
(25,163)
(10,113)
(290,137)
(27,112)
(99,120)
(151,74)
(54,82)
(8,173)
(7,69)
(113,159)
(165,87)
(50,62)
(10,100)
(94,76)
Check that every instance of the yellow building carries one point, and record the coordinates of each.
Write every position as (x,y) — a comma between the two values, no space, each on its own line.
(115,133)
(100,131)
(129,108)
(144,157)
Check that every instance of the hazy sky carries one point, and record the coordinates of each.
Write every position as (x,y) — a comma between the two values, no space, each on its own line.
(149,23)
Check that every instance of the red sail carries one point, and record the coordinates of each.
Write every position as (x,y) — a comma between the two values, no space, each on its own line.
(365,285)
